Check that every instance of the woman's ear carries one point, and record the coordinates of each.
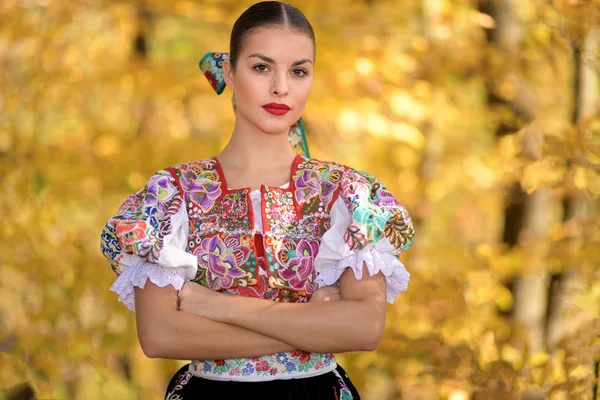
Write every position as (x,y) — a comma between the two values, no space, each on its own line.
(228,75)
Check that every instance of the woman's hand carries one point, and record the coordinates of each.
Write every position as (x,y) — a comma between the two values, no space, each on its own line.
(197,299)
(326,293)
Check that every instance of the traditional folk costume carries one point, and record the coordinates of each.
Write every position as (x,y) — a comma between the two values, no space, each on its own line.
(276,243)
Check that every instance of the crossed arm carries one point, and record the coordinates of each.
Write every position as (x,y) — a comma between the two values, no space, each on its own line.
(212,325)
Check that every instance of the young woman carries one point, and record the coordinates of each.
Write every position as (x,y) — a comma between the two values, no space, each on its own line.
(259,263)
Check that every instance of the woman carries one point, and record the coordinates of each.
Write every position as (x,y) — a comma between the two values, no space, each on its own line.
(259,263)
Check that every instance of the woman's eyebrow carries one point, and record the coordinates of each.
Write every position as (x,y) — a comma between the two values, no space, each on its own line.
(299,62)
(270,60)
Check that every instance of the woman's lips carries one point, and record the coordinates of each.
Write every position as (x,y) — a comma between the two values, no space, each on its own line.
(276,108)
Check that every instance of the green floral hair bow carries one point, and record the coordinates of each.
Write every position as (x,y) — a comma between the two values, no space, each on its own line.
(212,67)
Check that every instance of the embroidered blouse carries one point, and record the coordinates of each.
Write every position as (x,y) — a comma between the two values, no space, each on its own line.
(280,244)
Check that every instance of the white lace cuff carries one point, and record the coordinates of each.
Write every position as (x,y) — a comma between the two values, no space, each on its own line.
(396,275)
(138,274)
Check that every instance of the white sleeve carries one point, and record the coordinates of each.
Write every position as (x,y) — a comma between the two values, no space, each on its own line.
(174,266)
(335,256)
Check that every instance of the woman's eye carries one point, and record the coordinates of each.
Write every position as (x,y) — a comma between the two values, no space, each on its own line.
(299,72)
(260,68)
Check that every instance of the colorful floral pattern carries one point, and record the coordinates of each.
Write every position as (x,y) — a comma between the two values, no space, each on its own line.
(296,260)
(234,213)
(316,184)
(279,211)
(212,67)
(296,363)
(375,213)
(222,239)
(223,261)
(142,222)
(201,186)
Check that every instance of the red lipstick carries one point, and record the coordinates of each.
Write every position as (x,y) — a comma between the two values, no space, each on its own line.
(276,108)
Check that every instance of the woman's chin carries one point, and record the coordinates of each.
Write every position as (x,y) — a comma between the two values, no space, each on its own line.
(278,128)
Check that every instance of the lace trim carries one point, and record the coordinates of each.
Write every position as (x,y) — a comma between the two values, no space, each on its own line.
(138,274)
(396,275)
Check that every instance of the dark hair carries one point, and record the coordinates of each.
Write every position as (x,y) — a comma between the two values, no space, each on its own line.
(266,13)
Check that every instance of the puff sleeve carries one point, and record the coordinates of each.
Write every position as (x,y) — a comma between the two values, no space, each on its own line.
(147,238)
(368,226)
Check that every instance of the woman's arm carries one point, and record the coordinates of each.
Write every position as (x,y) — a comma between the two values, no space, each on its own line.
(166,332)
(354,323)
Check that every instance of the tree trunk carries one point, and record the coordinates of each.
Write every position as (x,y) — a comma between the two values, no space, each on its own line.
(433,151)
(525,216)
(564,319)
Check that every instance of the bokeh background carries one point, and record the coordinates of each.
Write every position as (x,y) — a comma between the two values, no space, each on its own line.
(482,117)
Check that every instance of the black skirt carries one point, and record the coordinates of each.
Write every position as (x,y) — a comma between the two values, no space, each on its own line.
(334,385)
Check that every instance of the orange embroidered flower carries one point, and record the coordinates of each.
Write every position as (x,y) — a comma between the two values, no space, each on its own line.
(132,233)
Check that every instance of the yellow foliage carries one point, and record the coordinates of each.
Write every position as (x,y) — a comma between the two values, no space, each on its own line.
(412,92)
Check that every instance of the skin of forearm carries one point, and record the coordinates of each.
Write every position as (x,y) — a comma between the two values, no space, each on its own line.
(166,332)
(335,327)
(184,336)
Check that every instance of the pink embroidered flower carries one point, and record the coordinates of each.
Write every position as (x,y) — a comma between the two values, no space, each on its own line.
(160,189)
(221,260)
(355,238)
(273,371)
(355,184)
(297,262)
(203,188)
(319,365)
(307,186)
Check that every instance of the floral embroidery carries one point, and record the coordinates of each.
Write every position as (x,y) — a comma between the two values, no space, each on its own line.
(202,187)
(221,237)
(143,221)
(279,210)
(354,238)
(222,259)
(211,66)
(316,183)
(399,229)
(353,186)
(233,213)
(296,260)
(295,363)
(307,186)
(375,213)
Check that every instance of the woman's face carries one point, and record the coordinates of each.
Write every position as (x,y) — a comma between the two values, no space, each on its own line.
(272,78)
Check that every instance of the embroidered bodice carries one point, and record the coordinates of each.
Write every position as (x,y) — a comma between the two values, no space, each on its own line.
(186,224)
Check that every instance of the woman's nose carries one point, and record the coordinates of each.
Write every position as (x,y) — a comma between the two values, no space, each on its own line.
(280,86)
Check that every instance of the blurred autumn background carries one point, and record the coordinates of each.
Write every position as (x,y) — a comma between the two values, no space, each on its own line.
(482,117)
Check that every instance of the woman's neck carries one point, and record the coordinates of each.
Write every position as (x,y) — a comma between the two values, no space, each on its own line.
(249,148)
